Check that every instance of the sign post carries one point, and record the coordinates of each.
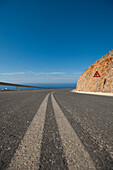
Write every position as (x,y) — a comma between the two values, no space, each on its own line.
(96,84)
(96,75)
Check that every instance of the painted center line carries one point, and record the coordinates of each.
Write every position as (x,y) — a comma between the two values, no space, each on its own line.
(52,155)
(27,155)
(76,155)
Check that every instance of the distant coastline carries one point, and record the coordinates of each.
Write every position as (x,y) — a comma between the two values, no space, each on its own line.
(52,85)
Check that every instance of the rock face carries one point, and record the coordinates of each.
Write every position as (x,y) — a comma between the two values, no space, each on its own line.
(104,66)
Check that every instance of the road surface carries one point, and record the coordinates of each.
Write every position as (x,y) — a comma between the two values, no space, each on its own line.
(55,130)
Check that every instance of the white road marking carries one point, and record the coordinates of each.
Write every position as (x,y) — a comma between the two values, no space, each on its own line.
(76,155)
(27,155)
(94,93)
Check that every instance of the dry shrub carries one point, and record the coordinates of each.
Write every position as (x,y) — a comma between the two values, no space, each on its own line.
(100,65)
(102,70)
(92,66)
(111,58)
(96,62)
(106,59)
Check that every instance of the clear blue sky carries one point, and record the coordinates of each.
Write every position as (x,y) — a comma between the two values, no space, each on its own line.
(52,40)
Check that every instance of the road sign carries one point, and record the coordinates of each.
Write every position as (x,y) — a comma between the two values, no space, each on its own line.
(96,74)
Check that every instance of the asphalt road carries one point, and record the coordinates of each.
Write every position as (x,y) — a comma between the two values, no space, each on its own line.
(49,130)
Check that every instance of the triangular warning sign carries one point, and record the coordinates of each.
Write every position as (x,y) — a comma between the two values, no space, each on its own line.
(96,74)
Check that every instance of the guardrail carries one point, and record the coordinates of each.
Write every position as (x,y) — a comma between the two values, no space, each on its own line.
(20,85)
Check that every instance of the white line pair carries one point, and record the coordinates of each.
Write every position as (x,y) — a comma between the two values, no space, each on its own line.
(27,156)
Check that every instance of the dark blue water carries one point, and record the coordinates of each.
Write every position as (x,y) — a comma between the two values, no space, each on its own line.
(50,85)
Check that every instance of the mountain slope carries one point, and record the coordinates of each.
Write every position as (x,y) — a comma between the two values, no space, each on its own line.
(104,66)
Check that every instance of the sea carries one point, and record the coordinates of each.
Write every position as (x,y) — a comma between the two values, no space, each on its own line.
(50,85)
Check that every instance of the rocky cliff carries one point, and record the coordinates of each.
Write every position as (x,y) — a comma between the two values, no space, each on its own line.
(104,66)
